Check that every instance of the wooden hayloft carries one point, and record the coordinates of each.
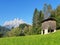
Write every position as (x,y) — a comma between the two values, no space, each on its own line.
(48,25)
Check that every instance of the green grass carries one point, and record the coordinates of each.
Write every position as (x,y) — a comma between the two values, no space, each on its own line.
(49,39)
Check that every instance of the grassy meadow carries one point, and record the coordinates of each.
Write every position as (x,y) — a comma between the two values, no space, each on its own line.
(49,39)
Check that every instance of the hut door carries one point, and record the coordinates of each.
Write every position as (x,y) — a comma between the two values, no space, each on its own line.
(43,32)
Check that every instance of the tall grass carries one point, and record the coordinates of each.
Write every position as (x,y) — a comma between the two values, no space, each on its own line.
(49,39)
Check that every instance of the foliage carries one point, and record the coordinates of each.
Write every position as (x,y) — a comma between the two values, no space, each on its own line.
(37,18)
(3,31)
(28,30)
(22,26)
(13,32)
(22,30)
(56,15)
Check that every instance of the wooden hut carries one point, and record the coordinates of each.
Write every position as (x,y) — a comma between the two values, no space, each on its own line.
(48,25)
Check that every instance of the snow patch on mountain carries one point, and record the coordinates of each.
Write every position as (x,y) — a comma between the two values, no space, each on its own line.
(13,23)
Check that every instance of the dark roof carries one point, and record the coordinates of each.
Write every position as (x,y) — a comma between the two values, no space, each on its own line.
(49,19)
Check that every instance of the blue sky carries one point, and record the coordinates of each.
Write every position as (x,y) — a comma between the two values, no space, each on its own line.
(23,9)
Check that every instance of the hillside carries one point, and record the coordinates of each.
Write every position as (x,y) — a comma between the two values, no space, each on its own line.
(3,31)
(49,39)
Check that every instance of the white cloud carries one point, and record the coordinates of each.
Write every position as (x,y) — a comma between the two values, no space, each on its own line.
(13,23)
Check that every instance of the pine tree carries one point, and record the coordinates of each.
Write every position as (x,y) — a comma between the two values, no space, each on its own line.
(35,20)
(40,18)
(47,11)
(57,17)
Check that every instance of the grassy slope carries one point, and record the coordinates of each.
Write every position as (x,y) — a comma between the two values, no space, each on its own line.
(49,39)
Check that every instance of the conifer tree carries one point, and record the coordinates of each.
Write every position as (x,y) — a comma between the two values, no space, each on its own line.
(35,20)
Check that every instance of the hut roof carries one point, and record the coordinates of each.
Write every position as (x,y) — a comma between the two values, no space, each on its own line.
(49,19)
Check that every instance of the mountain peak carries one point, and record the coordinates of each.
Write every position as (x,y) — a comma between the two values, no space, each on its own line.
(13,23)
